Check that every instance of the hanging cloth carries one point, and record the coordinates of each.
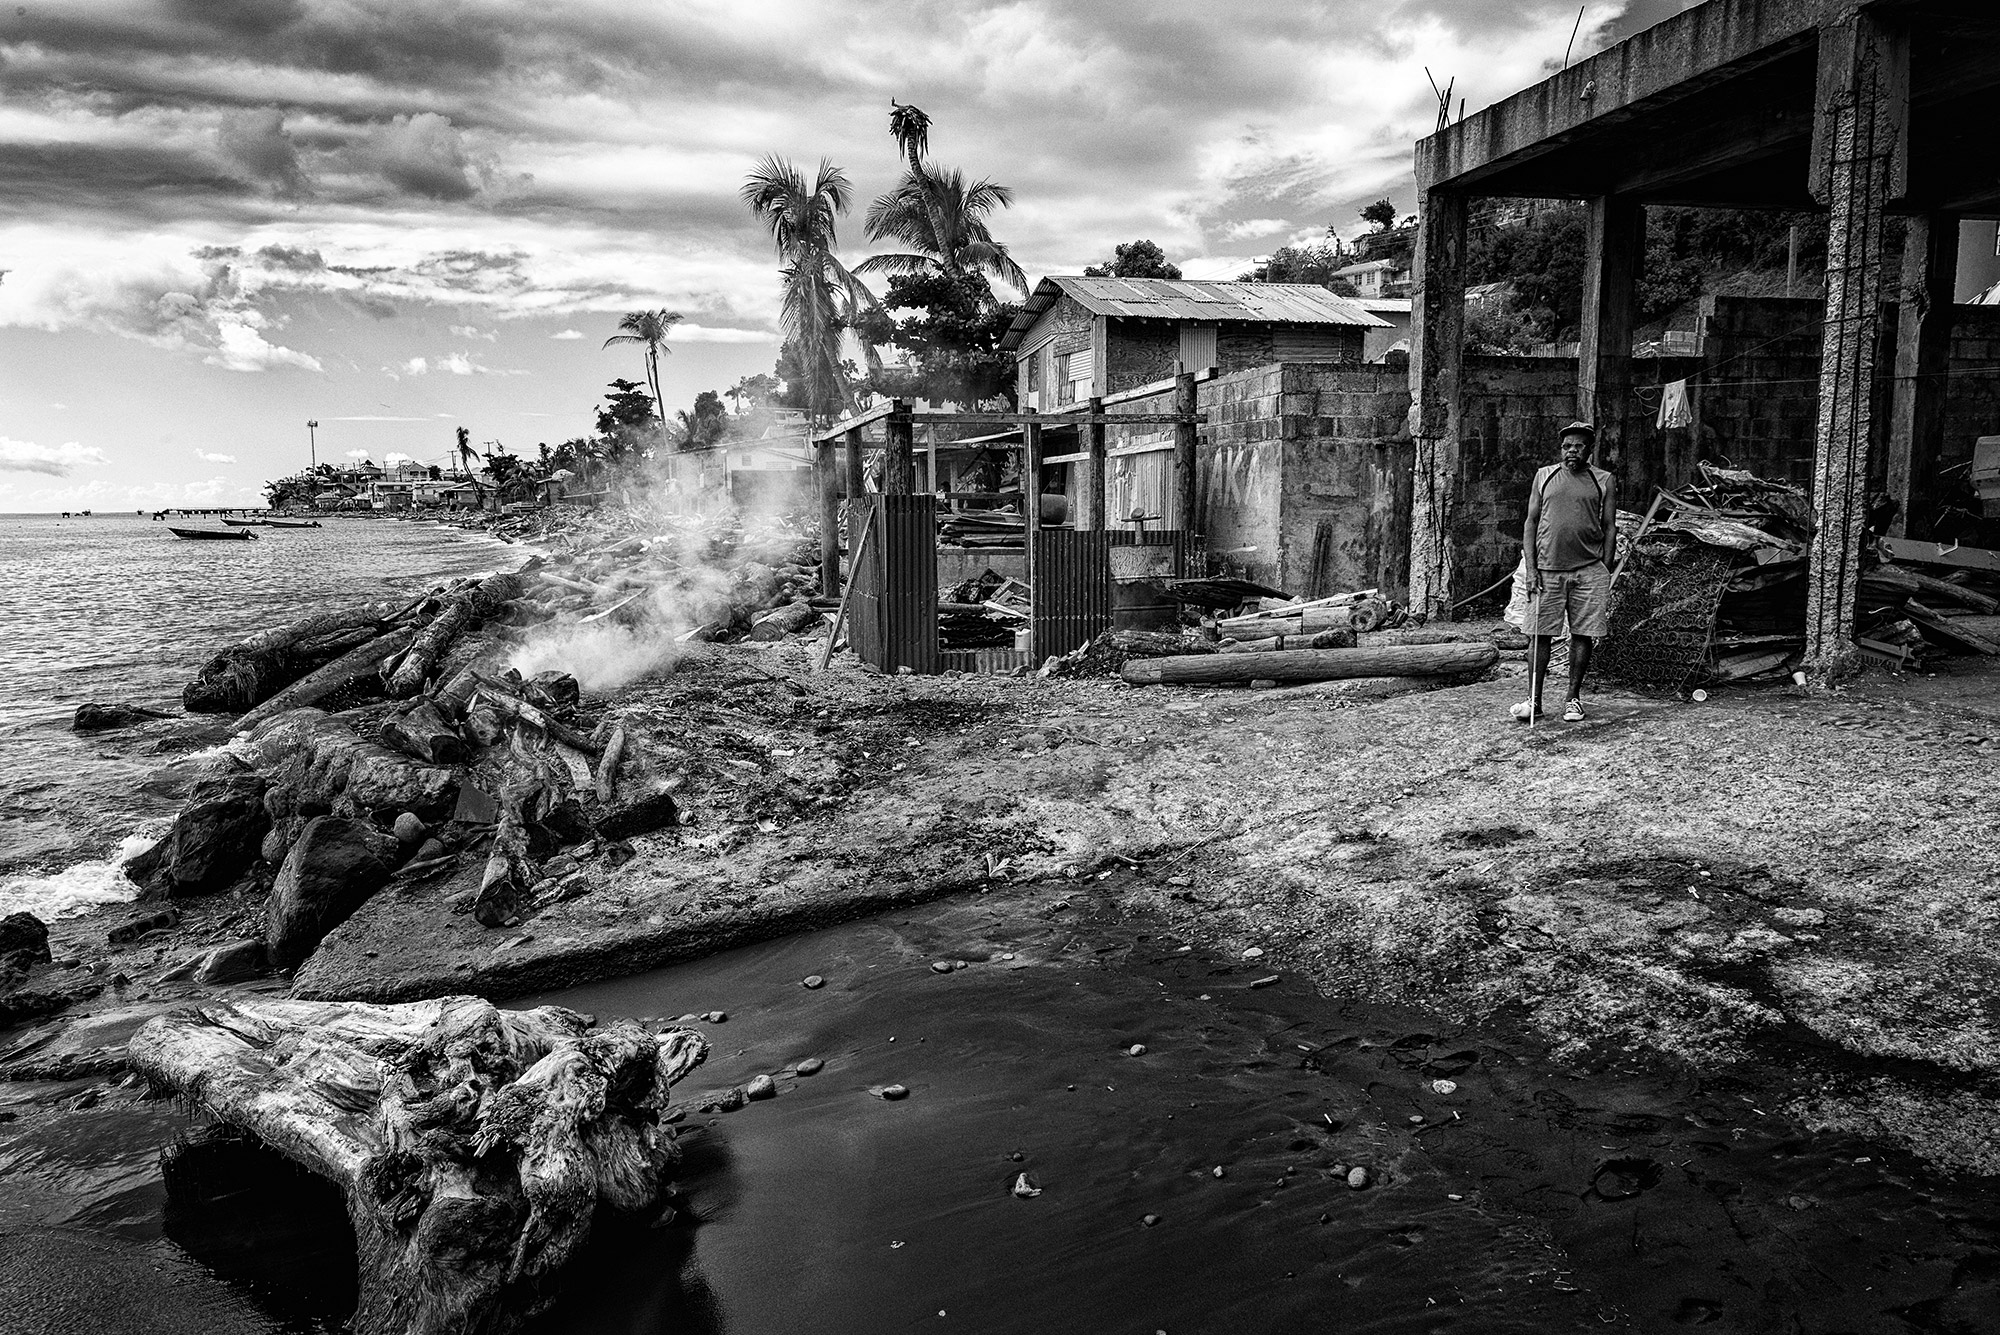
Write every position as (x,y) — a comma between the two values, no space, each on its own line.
(1674,409)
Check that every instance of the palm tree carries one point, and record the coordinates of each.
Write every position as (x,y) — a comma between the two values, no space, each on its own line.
(820,294)
(650,328)
(912,130)
(942,222)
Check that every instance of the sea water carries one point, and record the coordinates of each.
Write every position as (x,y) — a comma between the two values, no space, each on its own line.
(118,610)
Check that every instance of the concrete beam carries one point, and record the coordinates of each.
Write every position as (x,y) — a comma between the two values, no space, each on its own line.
(1923,357)
(1678,58)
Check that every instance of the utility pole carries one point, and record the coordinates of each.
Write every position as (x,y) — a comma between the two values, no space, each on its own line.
(312,442)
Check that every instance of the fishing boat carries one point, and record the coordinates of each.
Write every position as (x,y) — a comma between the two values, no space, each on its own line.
(211,533)
(246,523)
(291,523)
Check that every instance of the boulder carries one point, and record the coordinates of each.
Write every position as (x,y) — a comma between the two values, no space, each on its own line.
(26,936)
(330,872)
(94,717)
(218,834)
(236,962)
(409,828)
(278,840)
(418,729)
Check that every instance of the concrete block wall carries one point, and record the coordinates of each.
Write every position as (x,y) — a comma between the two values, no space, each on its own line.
(1514,408)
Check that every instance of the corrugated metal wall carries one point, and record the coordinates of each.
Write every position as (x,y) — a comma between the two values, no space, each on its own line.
(1076,597)
(895,586)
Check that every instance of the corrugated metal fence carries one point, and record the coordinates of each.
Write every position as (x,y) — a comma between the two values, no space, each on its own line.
(895,586)
(1087,582)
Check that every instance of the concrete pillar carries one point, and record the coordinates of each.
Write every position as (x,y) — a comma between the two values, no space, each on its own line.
(1923,356)
(1614,243)
(1858,120)
(1437,358)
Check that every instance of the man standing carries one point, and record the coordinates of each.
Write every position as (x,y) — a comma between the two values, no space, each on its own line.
(1571,536)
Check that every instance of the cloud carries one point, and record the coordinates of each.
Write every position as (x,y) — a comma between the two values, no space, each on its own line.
(357,454)
(239,347)
(696,333)
(422,154)
(206,457)
(370,417)
(416,366)
(565,335)
(394,458)
(1250,228)
(467,331)
(20,456)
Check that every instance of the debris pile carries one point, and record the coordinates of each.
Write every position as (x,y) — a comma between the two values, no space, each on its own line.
(1714,586)
(475,1146)
(1905,615)
(983,613)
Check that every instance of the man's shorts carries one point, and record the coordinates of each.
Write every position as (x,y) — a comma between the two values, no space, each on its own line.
(1581,597)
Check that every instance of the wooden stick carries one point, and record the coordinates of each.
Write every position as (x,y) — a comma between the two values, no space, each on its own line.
(1633,546)
(1395,660)
(854,570)
(607,768)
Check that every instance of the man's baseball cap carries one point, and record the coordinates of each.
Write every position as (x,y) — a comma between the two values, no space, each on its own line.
(1584,429)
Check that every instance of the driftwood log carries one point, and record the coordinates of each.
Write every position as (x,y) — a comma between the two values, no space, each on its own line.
(461,610)
(251,671)
(349,668)
(1397,660)
(475,1146)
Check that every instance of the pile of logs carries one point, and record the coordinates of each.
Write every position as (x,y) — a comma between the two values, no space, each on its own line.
(474,1146)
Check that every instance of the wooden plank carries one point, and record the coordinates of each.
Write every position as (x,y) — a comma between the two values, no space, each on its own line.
(826,474)
(1184,518)
(1943,629)
(856,422)
(1060,419)
(898,470)
(1031,490)
(1093,509)
(1932,553)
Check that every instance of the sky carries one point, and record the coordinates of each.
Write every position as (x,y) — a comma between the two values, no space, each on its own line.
(220,219)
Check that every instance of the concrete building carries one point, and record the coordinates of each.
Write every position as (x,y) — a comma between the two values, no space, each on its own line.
(1082,338)
(1377,278)
(1873,111)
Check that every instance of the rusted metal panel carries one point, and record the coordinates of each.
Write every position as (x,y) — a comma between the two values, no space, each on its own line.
(895,589)
(1137,560)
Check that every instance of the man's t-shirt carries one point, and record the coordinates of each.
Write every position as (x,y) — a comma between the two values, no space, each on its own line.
(1570,534)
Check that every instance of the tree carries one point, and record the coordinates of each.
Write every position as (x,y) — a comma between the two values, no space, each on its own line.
(942,221)
(821,296)
(1381,215)
(1304,264)
(912,131)
(626,421)
(753,392)
(1135,259)
(649,328)
(705,424)
(950,343)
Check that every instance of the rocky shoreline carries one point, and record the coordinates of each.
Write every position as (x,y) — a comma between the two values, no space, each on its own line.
(365,848)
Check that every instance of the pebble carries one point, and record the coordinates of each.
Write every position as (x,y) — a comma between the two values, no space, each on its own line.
(1254,952)
(1444,1086)
(1017,1156)
(1137,1050)
(1264,982)
(1024,1188)
(1416,1119)
(811,1066)
(1357,1179)
(761,1087)
(716,1017)
(895,1091)
(813,980)
(956,965)
(409,829)
(941,966)
(1218,1170)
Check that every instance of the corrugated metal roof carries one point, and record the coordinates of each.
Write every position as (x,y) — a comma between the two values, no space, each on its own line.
(1188,299)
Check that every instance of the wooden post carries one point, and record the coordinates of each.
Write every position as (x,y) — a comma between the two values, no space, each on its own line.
(898,470)
(1863,98)
(1614,241)
(857,484)
(931,461)
(1437,359)
(1031,496)
(1185,516)
(1095,480)
(1923,356)
(826,473)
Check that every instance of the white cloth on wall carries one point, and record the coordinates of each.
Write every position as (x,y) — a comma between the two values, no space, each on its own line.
(1675,411)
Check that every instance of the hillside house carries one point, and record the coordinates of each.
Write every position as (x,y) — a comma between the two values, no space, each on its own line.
(1378,278)
(1082,338)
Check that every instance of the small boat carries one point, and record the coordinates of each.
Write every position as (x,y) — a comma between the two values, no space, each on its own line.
(291,523)
(211,533)
(246,523)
